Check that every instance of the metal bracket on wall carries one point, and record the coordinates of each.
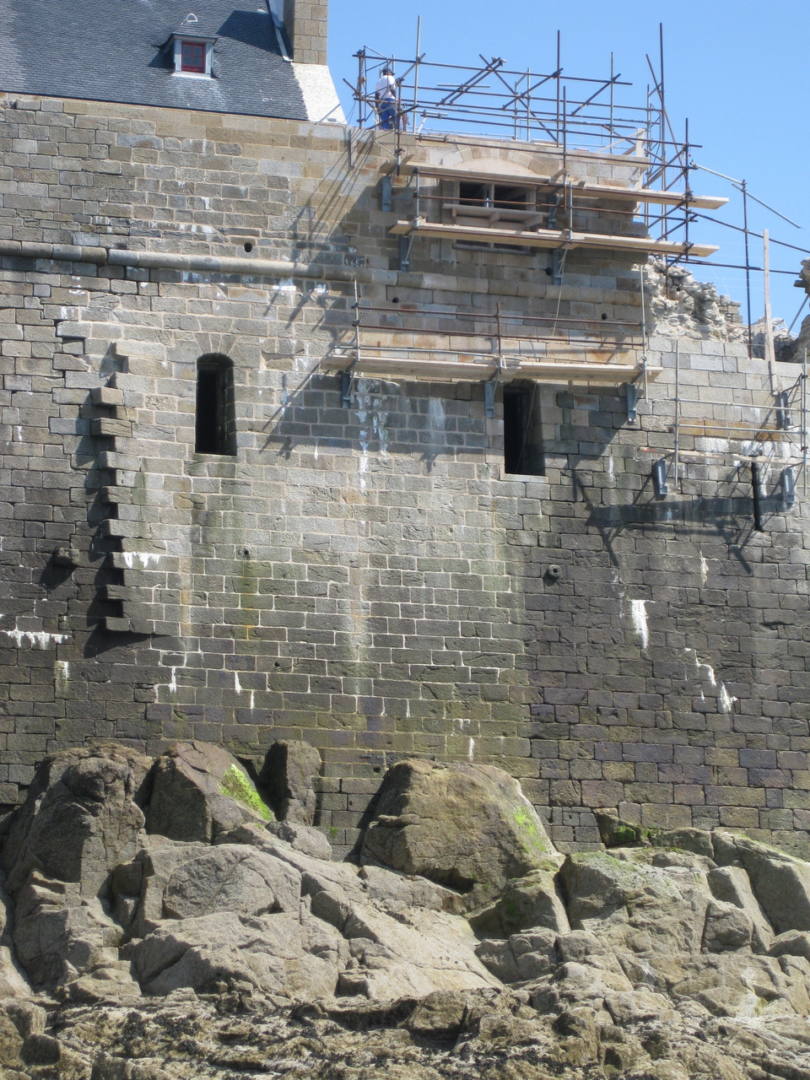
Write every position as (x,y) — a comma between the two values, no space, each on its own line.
(757,495)
(659,478)
(489,398)
(556,266)
(386,195)
(788,482)
(631,401)
(405,245)
(346,389)
(783,410)
(554,206)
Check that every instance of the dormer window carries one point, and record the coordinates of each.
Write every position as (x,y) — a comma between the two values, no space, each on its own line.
(192,54)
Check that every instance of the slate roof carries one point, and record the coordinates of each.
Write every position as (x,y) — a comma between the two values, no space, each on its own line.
(117,50)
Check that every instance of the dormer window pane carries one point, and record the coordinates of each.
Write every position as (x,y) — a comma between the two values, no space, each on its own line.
(192,56)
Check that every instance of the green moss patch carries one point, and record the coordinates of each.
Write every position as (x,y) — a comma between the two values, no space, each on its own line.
(529,834)
(236,784)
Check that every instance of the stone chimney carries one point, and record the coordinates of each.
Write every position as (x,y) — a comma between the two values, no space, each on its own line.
(306,24)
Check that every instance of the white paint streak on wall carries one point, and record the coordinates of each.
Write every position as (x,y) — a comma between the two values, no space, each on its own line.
(37,639)
(61,671)
(725,699)
(471,749)
(704,570)
(704,668)
(236,684)
(436,415)
(362,467)
(638,613)
(145,558)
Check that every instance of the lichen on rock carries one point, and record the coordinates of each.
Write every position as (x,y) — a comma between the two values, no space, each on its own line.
(236,784)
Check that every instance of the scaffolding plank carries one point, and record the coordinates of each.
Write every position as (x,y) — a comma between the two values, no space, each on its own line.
(476,371)
(548,238)
(644,195)
(737,433)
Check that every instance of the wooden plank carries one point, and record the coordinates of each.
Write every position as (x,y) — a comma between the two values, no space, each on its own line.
(645,195)
(738,433)
(476,371)
(548,238)
(650,195)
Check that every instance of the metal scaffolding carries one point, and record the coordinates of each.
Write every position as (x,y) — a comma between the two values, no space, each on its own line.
(555,109)
(539,110)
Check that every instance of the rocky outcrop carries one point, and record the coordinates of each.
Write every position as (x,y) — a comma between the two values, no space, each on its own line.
(82,818)
(200,790)
(244,951)
(287,777)
(468,827)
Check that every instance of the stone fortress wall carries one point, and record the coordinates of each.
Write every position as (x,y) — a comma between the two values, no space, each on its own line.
(362,573)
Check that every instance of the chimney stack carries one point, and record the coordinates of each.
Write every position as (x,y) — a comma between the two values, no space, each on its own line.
(306,24)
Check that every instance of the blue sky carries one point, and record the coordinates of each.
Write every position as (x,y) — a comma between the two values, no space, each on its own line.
(738,71)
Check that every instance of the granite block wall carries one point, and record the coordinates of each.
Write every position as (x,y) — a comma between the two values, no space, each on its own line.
(362,572)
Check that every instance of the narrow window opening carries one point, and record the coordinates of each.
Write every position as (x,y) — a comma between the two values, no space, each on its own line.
(215,420)
(522,435)
(474,194)
(510,198)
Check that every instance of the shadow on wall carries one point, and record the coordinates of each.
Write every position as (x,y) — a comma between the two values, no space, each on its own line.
(731,517)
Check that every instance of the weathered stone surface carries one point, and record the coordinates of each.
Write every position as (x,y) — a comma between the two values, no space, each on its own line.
(59,935)
(732,885)
(137,887)
(791,943)
(12,980)
(396,892)
(287,777)
(613,832)
(175,880)
(20,1020)
(200,790)
(645,962)
(727,927)
(697,841)
(283,955)
(780,882)
(231,878)
(523,957)
(11,1043)
(467,827)
(525,903)
(302,837)
(82,817)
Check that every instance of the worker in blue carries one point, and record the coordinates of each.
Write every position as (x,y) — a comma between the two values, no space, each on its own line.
(385,100)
